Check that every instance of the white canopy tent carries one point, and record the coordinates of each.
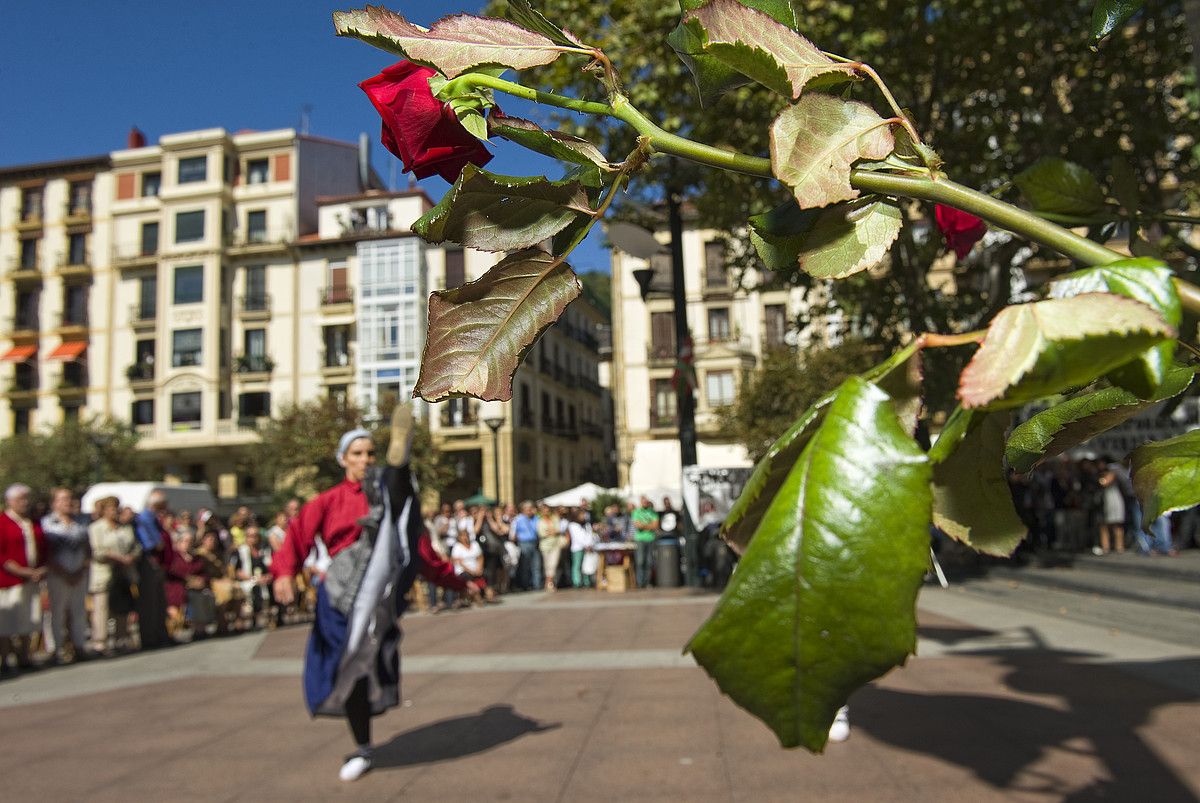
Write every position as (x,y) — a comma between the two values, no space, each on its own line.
(572,496)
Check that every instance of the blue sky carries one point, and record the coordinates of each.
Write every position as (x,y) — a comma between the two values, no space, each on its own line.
(74,81)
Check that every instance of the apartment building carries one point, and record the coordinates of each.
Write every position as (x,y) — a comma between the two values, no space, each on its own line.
(731,329)
(194,286)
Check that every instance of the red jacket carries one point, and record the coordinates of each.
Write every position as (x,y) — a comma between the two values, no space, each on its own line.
(12,547)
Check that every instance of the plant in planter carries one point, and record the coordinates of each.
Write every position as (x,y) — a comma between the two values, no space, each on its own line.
(833,525)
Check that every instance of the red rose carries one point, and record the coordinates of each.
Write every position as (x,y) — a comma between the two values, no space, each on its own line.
(961,229)
(419,128)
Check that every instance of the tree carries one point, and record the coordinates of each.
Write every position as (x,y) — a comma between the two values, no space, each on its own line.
(297,446)
(788,381)
(834,521)
(73,454)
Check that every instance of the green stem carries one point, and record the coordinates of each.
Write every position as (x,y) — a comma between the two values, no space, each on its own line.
(1172,217)
(517,90)
(997,212)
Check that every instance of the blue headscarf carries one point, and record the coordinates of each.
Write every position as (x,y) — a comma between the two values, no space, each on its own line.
(349,438)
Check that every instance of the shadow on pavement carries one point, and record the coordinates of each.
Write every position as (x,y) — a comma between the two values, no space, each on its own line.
(458,737)
(1014,744)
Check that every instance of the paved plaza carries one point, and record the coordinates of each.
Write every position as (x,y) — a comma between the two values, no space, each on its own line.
(582,696)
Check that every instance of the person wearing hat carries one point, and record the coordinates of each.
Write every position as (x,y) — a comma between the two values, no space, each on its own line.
(372,526)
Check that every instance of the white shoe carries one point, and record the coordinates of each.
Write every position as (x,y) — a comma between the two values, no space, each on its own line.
(355,767)
(839,731)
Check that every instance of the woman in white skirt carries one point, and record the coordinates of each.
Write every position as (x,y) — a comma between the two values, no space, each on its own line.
(1112,531)
(22,568)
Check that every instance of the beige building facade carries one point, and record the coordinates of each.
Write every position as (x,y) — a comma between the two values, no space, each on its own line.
(194,286)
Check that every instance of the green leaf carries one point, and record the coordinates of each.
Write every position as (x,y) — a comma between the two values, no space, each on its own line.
(824,599)
(971,499)
(502,213)
(1036,350)
(531,19)
(848,238)
(778,235)
(1166,475)
(902,379)
(1148,281)
(555,144)
(479,333)
(757,46)
(452,45)
(816,140)
(1107,15)
(472,120)
(1061,187)
(1076,421)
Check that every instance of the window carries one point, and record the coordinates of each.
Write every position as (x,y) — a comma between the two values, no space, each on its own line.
(258,171)
(75,305)
(337,291)
(662,335)
(662,400)
(718,388)
(718,324)
(149,239)
(147,297)
(20,420)
(31,203)
(143,365)
(547,418)
(151,184)
(775,324)
(28,302)
(337,346)
(185,410)
(189,284)
(80,198)
(141,413)
(189,226)
(193,168)
(254,405)
(456,272)
(70,413)
(29,249)
(186,347)
(256,288)
(256,226)
(716,274)
(254,350)
(77,249)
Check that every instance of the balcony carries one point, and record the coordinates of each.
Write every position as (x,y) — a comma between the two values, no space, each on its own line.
(717,286)
(254,306)
(663,420)
(253,364)
(30,220)
(78,212)
(453,417)
(140,374)
(258,241)
(76,264)
(126,256)
(23,324)
(336,363)
(336,296)
(589,430)
(526,419)
(660,353)
(72,319)
(23,271)
(142,316)
(74,380)
(24,386)
(590,385)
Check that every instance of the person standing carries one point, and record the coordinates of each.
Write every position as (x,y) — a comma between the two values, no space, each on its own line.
(372,526)
(115,557)
(525,533)
(550,543)
(582,541)
(152,599)
(1112,531)
(68,557)
(645,526)
(22,568)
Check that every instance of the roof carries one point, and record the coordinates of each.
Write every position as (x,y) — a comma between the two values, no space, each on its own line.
(59,166)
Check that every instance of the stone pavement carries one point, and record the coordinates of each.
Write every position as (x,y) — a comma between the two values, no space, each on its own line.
(580,696)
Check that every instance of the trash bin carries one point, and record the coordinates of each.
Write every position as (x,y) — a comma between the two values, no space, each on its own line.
(666,564)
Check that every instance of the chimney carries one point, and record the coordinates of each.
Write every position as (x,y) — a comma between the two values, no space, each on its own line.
(364,162)
(136,138)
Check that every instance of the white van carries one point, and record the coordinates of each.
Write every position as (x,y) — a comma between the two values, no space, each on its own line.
(185,496)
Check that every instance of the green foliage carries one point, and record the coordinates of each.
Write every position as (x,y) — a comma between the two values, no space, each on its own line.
(788,383)
(1166,475)
(479,332)
(297,446)
(73,454)
(1109,14)
(824,598)
(848,238)
(1061,187)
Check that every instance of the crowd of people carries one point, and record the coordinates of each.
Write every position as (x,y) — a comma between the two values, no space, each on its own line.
(1088,504)
(78,586)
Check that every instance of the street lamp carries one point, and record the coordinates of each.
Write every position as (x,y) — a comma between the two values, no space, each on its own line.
(492,414)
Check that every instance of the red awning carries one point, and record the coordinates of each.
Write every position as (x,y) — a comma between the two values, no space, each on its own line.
(19,353)
(69,351)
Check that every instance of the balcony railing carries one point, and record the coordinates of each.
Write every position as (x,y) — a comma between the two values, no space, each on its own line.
(187,359)
(253,364)
(336,358)
(589,430)
(258,237)
(526,419)
(24,383)
(24,322)
(68,260)
(73,319)
(79,209)
(660,420)
(142,313)
(254,302)
(135,252)
(660,352)
(19,268)
(140,372)
(336,294)
(74,377)
(459,417)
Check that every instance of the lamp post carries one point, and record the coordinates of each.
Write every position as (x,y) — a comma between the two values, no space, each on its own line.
(492,414)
